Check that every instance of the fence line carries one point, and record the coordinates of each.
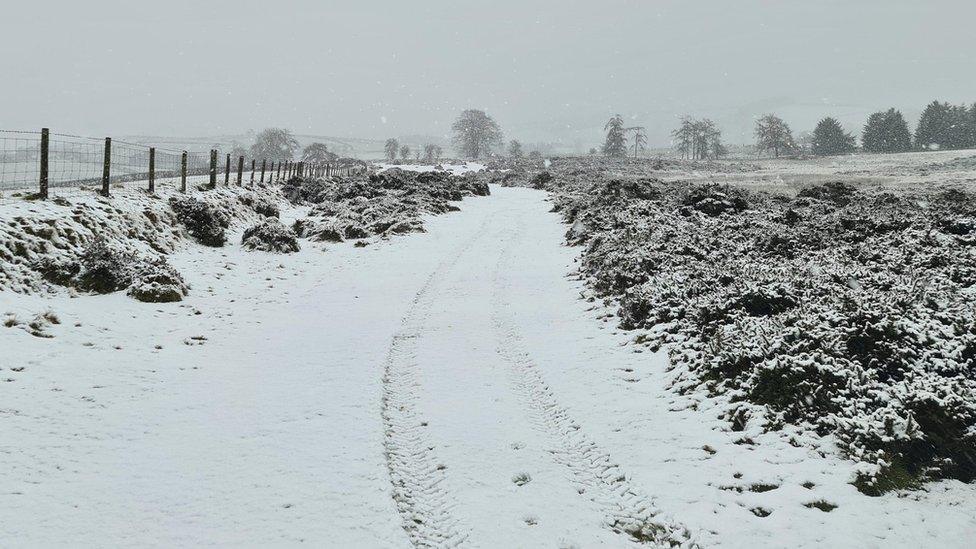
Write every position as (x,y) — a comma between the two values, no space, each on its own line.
(44,160)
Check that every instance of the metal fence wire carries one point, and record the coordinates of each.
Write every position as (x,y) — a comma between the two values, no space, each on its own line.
(19,159)
(36,163)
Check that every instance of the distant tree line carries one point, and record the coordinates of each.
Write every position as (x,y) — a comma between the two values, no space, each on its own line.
(698,139)
(941,126)
(476,136)
(280,145)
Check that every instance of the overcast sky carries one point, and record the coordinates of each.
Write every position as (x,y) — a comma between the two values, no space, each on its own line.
(546,70)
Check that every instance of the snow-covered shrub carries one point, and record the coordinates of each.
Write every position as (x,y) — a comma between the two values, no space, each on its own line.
(383,204)
(715,200)
(156,281)
(57,270)
(105,268)
(269,235)
(261,205)
(841,312)
(205,222)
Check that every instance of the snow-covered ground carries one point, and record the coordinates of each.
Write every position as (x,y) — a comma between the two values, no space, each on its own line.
(447,388)
(455,169)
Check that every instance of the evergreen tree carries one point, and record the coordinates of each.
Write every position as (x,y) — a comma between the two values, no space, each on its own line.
(830,138)
(945,126)
(616,143)
(971,125)
(405,152)
(886,132)
(959,133)
(773,134)
(933,126)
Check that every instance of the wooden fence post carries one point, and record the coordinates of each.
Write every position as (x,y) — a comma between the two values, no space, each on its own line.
(264,164)
(152,170)
(254,165)
(240,170)
(213,168)
(45,142)
(183,173)
(107,166)
(227,171)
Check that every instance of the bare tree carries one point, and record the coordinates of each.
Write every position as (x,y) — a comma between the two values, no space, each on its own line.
(640,139)
(698,139)
(275,144)
(514,149)
(405,152)
(475,134)
(238,150)
(772,134)
(392,147)
(318,152)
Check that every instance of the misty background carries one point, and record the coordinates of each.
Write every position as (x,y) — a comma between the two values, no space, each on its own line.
(547,71)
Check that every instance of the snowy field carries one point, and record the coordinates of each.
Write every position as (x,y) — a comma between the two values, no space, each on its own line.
(455,169)
(448,388)
(786,175)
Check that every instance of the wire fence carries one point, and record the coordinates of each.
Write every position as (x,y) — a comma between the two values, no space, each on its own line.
(36,164)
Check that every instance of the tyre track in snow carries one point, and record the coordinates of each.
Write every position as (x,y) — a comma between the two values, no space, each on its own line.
(627,510)
(426,509)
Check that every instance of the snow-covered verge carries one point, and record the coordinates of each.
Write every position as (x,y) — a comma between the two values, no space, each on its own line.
(391,202)
(96,244)
(99,244)
(835,317)
(449,166)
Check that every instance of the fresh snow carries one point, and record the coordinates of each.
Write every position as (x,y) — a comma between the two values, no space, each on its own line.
(337,396)
(454,169)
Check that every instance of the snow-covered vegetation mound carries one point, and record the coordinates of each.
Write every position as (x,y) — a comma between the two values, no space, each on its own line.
(205,222)
(269,235)
(382,204)
(97,244)
(838,312)
(105,267)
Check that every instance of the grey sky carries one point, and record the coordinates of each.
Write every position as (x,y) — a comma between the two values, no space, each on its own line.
(546,70)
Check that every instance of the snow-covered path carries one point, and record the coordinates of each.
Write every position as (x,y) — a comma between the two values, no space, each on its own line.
(447,388)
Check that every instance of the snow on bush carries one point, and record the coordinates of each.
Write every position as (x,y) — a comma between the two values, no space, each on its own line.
(205,222)
(105,267)
(156,281)
(837,312)
(384,204)
(262,205)
(269,235)
(42,242)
